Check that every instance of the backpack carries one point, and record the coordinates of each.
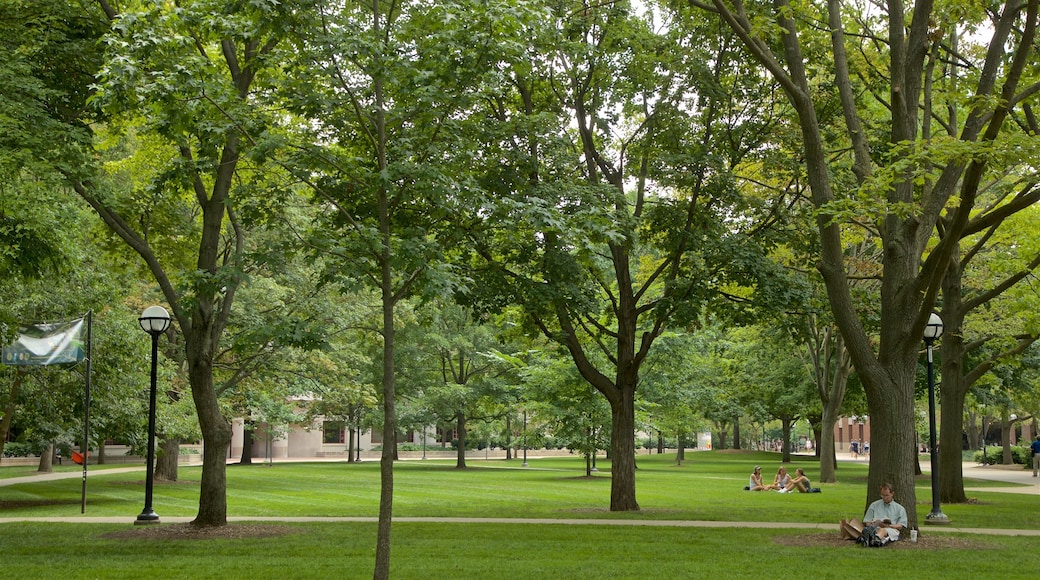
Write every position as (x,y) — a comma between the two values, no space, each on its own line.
(868,537)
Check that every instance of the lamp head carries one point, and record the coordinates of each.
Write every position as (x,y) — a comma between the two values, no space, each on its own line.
(934,328)
(154,320)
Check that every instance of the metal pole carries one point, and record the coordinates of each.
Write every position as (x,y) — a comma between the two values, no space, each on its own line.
(148,515)
(86,410)
(936,516)
(524,464)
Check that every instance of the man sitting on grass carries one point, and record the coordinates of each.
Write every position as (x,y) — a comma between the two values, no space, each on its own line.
(887,516)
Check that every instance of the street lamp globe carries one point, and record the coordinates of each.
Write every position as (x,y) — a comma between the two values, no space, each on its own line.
(154,320)
(934,328)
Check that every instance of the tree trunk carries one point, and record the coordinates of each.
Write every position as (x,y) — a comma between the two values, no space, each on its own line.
(680,453)
(216,434)
(955,384)
(831,368)
(12,405)
(46,460)
(509,438)
(102,457)
(954,391)
(827,453)
(722,432)
(785,430)
(1005,441)
(351,441)
(623,452)
(956,380)
(381,570)
(736,432)
(247,443)
(168,459)
(460,454)
(893,449)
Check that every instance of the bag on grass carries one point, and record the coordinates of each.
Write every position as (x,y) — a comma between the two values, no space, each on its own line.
(868,537)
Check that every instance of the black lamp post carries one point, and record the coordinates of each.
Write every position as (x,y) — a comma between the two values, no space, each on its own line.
(524,464)
(932,331)
(154,320)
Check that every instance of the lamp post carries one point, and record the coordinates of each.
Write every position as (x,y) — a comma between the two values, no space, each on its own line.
(154,320)
(524,464)
(932,331)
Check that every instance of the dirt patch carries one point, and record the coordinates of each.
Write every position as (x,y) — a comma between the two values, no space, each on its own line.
(831,539)
(160,532)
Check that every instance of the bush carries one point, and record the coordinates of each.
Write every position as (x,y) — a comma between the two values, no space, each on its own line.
(995,455)
(410,447)
(16,449)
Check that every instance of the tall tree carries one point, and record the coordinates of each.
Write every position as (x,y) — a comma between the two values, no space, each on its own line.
(611,212)
(464,372)
(188,72)
(386,92)
(914,169)
(987,309)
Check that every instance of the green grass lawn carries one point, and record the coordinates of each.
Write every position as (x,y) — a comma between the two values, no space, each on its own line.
(708,486)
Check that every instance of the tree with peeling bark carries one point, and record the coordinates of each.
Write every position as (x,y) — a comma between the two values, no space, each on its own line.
(916,165)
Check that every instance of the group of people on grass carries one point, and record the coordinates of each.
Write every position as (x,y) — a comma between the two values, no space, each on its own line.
(885,518)
(782,482)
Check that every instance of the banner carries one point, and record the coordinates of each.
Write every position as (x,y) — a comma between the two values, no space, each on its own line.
(47,344)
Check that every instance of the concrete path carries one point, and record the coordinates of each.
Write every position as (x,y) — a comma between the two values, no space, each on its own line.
(1006,473)
(1028,485)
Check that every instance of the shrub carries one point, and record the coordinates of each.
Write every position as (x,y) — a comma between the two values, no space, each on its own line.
(17,449)
(995,455)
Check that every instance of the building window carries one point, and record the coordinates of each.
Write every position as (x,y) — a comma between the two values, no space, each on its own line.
(333,432)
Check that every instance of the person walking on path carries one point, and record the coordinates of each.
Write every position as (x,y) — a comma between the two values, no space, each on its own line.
(1035,448)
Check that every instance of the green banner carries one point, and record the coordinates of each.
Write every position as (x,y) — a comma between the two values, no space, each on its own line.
(47,344)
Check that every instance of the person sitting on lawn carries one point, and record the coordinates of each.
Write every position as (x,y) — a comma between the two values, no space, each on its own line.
(781,479)
(755,483)
(799,482)
(886,515)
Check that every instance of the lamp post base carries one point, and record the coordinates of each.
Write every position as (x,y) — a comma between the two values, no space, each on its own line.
(936,518)
(147,517)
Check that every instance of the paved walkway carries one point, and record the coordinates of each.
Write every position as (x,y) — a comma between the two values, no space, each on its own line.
(1008,474)
(1028,485)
